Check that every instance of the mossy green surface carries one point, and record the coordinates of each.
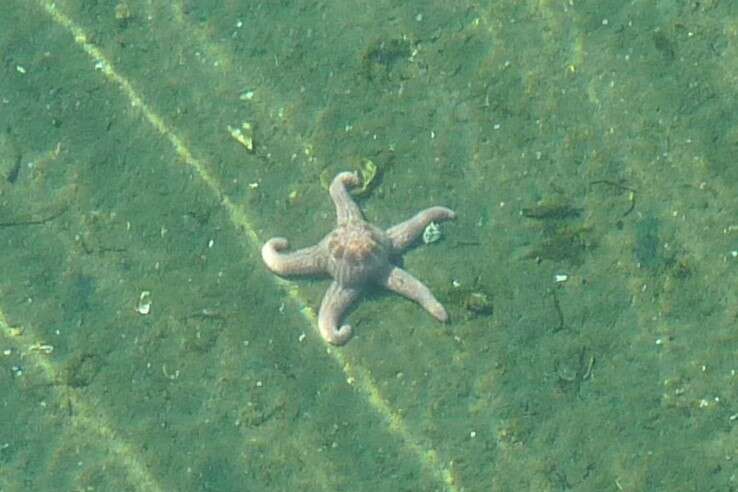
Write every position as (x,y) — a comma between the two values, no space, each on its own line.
(119,176)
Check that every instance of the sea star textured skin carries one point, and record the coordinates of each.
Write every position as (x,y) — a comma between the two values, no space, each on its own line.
(356,254)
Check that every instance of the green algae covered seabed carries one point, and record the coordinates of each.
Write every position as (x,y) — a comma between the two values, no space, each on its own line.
(148,148)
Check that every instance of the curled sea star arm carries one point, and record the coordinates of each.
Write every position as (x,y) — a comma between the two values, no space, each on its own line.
(335,302)
(346,209)
(403,234)
(400,281)
(306,261)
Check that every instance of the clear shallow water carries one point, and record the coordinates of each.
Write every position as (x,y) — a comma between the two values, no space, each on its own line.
(595,141)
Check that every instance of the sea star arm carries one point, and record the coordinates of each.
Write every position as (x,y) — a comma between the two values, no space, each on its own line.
(404,233)
(400,281)
(346,209)
(304,261)
(335,302)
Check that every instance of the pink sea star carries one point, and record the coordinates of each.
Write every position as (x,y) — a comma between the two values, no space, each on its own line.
(356,254)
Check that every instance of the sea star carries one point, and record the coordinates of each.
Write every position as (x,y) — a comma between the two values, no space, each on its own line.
(356,254)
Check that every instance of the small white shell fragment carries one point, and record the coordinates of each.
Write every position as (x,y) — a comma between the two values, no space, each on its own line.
(244,135)
(432,233)
(144,303)
(41,348)
(561,277)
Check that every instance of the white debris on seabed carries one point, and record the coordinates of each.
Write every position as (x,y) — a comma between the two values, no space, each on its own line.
(432,233)
(144,303)
(243,135)
(41,348)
